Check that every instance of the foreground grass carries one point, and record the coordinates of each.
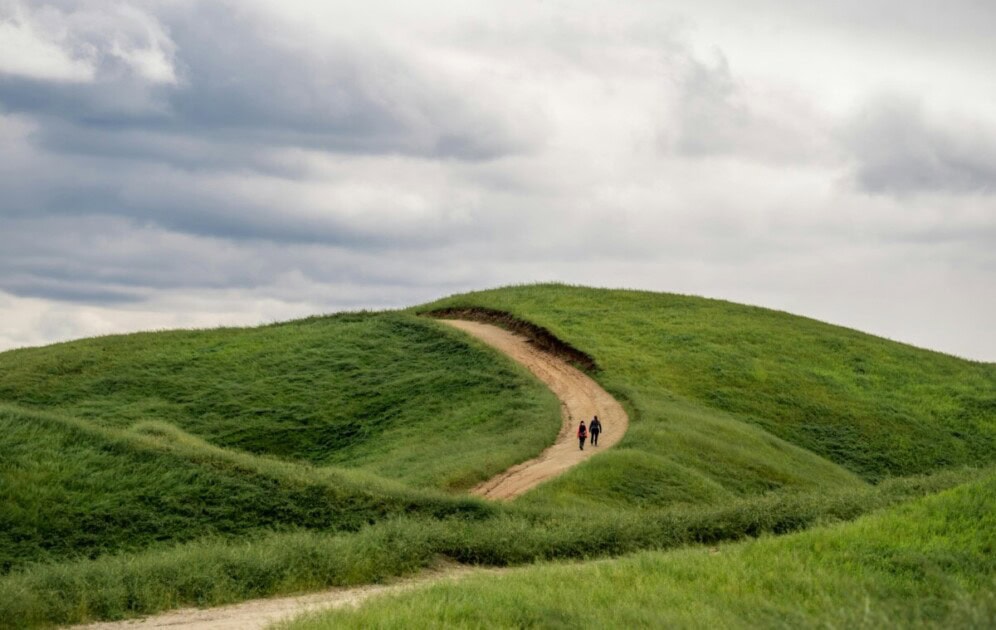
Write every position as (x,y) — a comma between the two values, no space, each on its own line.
(927,563)
(388,393)
(699,373)
(212,572)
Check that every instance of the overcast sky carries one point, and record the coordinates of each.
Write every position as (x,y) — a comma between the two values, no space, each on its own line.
(182,163)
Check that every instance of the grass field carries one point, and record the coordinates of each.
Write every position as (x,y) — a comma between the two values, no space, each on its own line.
(927,563)
(144,472)
(386,393)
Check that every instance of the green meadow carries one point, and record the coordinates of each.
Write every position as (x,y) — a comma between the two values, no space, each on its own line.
(150,471)
(384,393)
(927,563)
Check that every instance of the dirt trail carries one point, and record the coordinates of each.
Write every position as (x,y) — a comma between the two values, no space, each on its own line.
(260,613)
(580,398)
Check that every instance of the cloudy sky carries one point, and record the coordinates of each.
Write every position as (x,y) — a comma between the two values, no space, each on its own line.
(183,163)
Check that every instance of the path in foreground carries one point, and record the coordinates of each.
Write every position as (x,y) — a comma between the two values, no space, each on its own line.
(260,613)
(580,398)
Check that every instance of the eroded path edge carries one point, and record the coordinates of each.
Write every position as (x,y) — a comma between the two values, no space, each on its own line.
(580,397)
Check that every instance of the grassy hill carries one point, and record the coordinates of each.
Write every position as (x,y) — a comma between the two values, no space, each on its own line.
(727,393)
(70,490)
(386,393)
(149,471)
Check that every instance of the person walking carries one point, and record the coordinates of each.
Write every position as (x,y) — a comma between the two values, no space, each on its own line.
(582,435)
(594,428)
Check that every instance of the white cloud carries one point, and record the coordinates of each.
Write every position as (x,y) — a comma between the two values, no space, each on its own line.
(141,43)
(90,42)
(26,52)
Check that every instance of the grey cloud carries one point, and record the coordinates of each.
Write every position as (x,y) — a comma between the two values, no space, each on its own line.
(189,152)
(197,205)
(342,99)
(716,115)
(104,260)
(240,81)
(962,26)
(965,24)
(126,54)
(42,287)
(73,218)
(107,104)
(176,156)
(898,149)
(101,259)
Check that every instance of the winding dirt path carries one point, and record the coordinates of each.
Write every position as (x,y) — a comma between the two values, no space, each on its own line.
(580,398)
(257,614)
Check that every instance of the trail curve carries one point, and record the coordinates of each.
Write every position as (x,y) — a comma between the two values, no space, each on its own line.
(580,398)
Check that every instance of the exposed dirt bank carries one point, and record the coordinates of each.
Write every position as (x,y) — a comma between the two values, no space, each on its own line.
(580,398)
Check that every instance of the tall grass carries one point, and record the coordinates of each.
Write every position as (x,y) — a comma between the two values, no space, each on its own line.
(70,490)
(929,563)
(211,572)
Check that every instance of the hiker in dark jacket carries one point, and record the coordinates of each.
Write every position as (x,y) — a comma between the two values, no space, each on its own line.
(582,435)
(594,429)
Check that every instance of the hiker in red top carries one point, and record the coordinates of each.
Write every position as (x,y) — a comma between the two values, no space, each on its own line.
(582,435)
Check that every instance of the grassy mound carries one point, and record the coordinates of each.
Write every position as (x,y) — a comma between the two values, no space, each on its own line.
(388,393)
(929,563)
(697,371)
(72,490)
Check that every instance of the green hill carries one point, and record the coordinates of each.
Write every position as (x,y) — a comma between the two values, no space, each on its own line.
(118,443)
(386,393)
(155,470)
(73,490)
(699,373)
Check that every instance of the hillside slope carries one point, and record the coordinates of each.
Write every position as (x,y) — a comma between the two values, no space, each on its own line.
(387,393)
(70,490)
(731,399)
(121,443)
